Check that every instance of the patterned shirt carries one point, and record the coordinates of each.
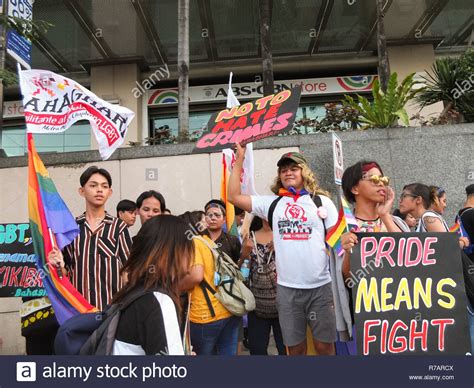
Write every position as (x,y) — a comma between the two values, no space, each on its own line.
(95,258)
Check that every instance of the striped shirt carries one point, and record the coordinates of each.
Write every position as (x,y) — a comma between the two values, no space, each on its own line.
(94,259)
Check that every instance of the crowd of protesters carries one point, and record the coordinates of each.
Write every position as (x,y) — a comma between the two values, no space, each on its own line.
(294,279)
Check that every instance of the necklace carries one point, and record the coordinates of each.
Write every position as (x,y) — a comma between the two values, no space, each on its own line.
(362,219)
(370,225)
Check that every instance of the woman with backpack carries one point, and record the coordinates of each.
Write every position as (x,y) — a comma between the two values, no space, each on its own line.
(160,258)
(300,213)
(214,330)
(262,282)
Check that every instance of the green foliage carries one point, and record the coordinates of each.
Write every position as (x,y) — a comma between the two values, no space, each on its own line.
(28,28)
(451,80)
(388,107)
(8,78)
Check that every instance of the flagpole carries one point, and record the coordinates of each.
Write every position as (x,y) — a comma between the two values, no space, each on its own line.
(59,270)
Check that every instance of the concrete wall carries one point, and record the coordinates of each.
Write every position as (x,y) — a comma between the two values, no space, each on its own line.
(441,155)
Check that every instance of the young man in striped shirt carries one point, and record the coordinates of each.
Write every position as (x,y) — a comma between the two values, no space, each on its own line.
(94,259)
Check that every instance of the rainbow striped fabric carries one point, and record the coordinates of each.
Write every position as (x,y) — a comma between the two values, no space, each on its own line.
(229,208)
(333,238)
(456,228)
(51,220)
(350,219)
(345,222)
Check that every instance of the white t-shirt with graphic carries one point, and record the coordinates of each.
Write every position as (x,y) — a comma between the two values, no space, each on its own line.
(298,237)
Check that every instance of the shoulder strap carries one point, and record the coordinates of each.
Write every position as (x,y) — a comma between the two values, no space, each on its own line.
(206,287)
(271,210)
(465,211)
(318,202)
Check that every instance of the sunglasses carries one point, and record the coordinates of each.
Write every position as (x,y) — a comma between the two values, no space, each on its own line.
(404,195)
(376,179)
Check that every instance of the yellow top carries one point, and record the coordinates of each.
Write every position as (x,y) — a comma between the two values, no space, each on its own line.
(199,311)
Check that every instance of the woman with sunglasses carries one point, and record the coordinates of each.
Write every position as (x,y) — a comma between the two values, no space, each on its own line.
(365,186)
(417,199)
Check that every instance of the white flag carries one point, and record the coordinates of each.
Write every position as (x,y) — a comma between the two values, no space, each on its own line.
(247,178)
(231,99)
(52,103)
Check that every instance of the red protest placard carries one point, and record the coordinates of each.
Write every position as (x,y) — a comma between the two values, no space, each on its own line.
(254,120)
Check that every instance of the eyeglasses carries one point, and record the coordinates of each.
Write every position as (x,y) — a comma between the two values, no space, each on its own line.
(213,215)
(376,179)
(404,195)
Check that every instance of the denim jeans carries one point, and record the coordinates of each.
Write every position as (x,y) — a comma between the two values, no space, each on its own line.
(259,334)
(219,337)
(470,316)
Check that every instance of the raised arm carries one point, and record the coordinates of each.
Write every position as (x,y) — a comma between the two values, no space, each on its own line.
(234,194)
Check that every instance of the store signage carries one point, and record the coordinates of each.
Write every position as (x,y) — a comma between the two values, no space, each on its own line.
(12,109)
(251,91)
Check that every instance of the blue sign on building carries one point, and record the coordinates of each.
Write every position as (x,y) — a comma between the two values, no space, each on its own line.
(19,48)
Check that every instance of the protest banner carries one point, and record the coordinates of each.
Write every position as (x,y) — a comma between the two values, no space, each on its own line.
(52,103)
(255,120)
(408,294)
(18,273)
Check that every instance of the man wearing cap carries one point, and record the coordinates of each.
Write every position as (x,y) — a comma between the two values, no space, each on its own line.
(304,295)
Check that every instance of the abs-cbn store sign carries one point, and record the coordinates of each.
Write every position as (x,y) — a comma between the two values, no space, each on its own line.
(12,109)
(250,91)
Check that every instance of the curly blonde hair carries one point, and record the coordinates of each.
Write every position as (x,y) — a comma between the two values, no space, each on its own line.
(310,182)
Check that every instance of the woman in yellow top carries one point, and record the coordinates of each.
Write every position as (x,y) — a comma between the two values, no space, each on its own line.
(214,330)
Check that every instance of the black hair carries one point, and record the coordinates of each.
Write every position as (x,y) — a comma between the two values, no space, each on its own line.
(215,203)
(238,211)
(470,190)
(149,194)
(437,191)
(194,221)
(423,191)
(399,214)
(351,177)
(125,205)
(86,175)
(256,224)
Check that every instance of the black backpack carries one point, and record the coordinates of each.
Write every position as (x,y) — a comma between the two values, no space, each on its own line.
(468,273)
(93,333)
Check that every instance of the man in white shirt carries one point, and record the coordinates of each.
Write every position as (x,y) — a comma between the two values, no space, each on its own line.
(304,295)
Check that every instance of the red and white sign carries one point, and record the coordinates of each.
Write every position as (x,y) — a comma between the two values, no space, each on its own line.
(52,103)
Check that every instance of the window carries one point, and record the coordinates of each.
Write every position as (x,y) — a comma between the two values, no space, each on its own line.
(76,138)
(164,129)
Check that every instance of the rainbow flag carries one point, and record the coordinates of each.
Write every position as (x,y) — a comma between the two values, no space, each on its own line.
(229,208)
(350,219)
(345,222)
(333,238)
(456,228)
(51,220)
